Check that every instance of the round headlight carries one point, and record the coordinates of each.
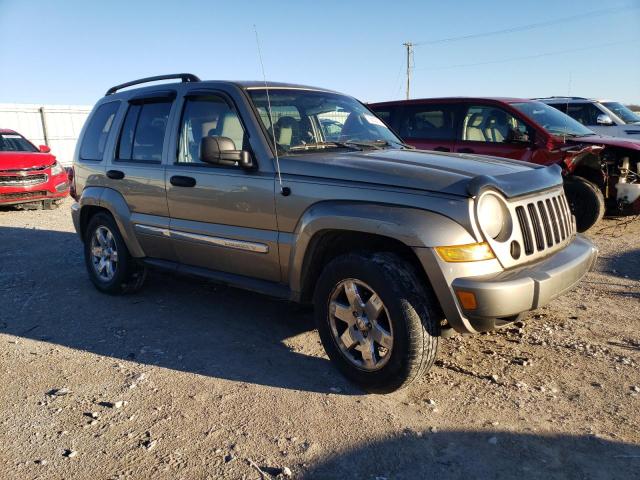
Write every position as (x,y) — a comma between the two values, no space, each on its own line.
(492,215)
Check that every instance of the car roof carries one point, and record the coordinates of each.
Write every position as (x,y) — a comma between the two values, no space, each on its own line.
(8,130)
(418,101)
(572,99)
(242,84)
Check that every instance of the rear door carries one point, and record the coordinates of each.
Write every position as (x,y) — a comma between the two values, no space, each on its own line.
(430,126)
(137,172)
(487,129)
(222,217)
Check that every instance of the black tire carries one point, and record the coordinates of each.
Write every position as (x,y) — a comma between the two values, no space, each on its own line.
(129,275)
(585,201)
(412,309)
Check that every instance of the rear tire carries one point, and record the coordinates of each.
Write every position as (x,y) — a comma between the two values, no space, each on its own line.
(409,320)
(585,200)
(111,267)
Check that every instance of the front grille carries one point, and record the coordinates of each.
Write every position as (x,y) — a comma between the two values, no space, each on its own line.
(22,180)
(544,223)
(23,195)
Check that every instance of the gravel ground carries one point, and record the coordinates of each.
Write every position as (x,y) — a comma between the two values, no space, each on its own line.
(190,380)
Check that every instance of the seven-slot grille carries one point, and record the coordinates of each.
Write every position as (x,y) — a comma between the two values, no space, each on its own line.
(22,180)
(544,223)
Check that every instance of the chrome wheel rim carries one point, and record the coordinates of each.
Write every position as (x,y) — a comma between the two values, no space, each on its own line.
(360,324)
(104,254)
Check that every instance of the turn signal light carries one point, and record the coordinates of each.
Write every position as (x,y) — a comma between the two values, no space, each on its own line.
(467,300)
(472,252)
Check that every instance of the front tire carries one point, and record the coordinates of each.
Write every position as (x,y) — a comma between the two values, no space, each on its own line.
(585,201)
(377,321)
(111,267)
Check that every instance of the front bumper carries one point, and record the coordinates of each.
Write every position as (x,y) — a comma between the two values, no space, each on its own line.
(54,188)
(502,296)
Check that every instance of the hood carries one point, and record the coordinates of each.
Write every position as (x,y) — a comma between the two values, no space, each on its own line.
(457,174)
(605,140)
(25,160)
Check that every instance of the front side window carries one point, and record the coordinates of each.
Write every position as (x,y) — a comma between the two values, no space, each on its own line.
(97,133)
(553,121)
(485,123)
(307,120)
(428,122)
(585,113)
(143,132)
(207,116)
(14,142)
(626,114)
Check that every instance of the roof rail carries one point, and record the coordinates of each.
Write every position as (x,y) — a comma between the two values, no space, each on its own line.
(185,77)
(561,96)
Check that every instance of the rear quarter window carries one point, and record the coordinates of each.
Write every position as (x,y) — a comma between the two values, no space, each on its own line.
(97,133)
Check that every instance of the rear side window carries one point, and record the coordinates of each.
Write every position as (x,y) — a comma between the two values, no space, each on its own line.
(428,122)
(143,132)
(95,137)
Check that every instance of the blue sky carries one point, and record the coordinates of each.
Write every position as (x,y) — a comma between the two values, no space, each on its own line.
(70,52)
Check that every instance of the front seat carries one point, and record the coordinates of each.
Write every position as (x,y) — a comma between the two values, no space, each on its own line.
(473,130)
(287,131)
(232,128)
(497,127)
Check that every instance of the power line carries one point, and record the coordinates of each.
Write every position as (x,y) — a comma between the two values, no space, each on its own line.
(527,57)
(531,26)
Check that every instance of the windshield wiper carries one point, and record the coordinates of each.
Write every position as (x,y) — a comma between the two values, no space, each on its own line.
(322,145)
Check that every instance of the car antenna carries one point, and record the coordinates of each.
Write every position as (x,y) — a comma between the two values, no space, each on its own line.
(285,191)
(564,140)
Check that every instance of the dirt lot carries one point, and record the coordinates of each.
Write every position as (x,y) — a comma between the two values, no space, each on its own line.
(193,380)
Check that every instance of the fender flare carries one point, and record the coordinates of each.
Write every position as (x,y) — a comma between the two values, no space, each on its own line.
(412,227)
(114,203)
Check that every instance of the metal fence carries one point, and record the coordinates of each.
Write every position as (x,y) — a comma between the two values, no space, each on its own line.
(57,126)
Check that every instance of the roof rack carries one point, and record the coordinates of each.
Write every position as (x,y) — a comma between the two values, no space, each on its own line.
(185,77)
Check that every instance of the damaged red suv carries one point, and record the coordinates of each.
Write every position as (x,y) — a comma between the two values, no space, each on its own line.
(29,176)
(601,173)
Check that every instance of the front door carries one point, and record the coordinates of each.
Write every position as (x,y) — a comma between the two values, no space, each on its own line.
(491,130)
(222,217)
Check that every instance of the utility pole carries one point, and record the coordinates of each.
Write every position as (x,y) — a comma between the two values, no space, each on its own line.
(409,47)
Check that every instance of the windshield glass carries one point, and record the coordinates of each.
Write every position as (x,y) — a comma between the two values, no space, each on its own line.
(13,142)
(553,121)
(306,120)
(627,115)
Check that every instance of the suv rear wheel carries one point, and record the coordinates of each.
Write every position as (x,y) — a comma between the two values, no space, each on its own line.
(585,200)
(377,322)
(109,264)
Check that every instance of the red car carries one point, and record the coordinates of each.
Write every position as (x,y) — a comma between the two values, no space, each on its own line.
(29,175)
(600,172)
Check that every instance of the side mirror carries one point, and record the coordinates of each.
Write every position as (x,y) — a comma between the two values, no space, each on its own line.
(604,119)
(44,149)
(222,151)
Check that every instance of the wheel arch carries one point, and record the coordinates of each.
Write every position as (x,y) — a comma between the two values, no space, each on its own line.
(99,199)
(332,228)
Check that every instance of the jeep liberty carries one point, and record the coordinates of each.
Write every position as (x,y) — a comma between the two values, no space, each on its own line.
(394,247)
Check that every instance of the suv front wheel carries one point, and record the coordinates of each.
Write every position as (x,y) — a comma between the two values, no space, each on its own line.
(377,322)
(110,266)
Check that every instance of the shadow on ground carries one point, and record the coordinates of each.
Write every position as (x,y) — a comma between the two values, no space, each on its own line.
(178,323)
(626,264)
(483,455)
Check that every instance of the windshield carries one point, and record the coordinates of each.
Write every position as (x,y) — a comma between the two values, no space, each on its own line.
(306,120)
(627,115)
(553,121)
(13,142)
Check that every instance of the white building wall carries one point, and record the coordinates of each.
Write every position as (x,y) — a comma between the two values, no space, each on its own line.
(63,124)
